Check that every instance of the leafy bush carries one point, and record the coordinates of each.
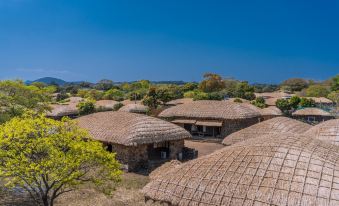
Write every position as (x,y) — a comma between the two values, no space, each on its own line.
(86,107)
(117,106)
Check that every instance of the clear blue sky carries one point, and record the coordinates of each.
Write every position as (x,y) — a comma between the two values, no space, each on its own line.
(258,41)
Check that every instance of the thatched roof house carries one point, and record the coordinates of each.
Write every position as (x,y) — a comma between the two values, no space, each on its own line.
(105,105)
(271,126)
(327,131)
(136,138)
(135,108)
(270,112)
(212,118)
(61,110)
(127,101)
(179,101)
(160,171)
(321,100)
(280,170)
(312,115)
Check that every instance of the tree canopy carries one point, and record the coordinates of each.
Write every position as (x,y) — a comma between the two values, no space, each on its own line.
(48,158)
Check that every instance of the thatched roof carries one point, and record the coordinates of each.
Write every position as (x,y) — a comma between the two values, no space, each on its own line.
(206,109)
(180,101)
(163,169)
(105,104)
(320,100)
(233,100)
(127,101)
(271,126)
(311,111)
(60,110)
(279,170)
(75,99)
(327,131)
(130,129)
(277,94)
(271,111)
(134,108)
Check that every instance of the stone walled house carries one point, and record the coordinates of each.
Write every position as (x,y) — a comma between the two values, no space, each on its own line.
(312,115)
(327,131)
(212,118)
(137,139)
(271,126)
(135,108)
(278,169)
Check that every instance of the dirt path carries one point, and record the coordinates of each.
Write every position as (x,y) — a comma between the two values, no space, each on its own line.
(204,148)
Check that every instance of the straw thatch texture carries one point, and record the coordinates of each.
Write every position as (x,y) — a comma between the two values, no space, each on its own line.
(279,170)
(311,111)
(61,110)
(327,131)
(130,129)
(271,111)
(105,105)
(127,101)
(321,100)
(206,109)
(271,126)
(75,99)
(134,108)
(163,169)
(180,101)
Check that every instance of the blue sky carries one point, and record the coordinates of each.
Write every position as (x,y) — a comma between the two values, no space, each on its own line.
(258,41)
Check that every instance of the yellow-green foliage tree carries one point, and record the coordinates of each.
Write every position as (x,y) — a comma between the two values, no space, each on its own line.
(48,158)
(16,97)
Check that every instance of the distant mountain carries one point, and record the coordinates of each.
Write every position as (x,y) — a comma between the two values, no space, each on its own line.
(49,80)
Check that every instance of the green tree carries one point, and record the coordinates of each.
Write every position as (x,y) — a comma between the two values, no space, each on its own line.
(245,91)
(294,102)
(259,102)
(294,84)
(284,105)
(189,87)
(151,99)
(16,97)
(306,102)
(86,107)
(48,158)
(211,83)
(334,96)
(114,94)
(104,84)
(317,91)
(335,83)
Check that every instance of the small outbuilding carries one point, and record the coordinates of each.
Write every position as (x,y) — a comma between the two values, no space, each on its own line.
(58,111)
(105,105)
(279,169)
(272,126)
(270,112)
(135,108)
(312,115)
(212,118)
(138,140)
(327,131)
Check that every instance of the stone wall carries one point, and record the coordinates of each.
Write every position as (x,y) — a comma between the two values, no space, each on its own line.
(176,148)
(134,157)
(233,125)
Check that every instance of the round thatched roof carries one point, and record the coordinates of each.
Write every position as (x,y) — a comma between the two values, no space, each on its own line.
(271,126)
(208,109)
(311,111)
(130,129)
(180,101)
(327,131)
(60,110)
(163,169)
(280,170)
(134,108)
(127,101)
(271,111)
(105,104)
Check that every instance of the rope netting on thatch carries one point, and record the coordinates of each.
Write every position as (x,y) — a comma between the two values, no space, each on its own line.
(134,108)
(327,131)
(281,169)
(211,110)
(311,111)
(60,110)
(271,126)
(130,129)
(163,169)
